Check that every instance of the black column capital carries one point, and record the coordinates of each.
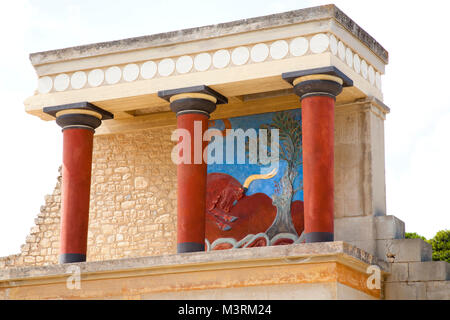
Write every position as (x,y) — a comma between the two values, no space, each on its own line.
(78,115)
(326,81)
(197,99)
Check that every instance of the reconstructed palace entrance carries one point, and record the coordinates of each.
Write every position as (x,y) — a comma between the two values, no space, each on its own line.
(153,203)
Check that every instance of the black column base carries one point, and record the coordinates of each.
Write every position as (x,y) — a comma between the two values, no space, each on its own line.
(71,258)
(319,237)
(190,247)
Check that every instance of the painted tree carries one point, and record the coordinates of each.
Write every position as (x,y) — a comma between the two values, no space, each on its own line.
(290,150)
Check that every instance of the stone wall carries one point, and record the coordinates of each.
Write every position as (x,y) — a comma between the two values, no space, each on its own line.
(133,203)
(359,159)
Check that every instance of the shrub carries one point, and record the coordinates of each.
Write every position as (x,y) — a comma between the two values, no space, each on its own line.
(441,246)
(413,235)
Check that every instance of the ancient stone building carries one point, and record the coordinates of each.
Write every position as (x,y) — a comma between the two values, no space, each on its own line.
(139,226)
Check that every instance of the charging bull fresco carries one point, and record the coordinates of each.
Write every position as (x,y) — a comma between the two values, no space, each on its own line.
(253,204)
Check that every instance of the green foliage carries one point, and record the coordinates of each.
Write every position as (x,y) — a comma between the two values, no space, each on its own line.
(290,134)
(441,246)
(413,235)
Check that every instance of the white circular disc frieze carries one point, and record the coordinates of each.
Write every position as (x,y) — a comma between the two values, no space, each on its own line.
(61,82)
(341,50)
(378,80)
(184,64)
(349,57)
(148,70)
(259,52)
(371,73)
(202,61)
(240,56)
(113,75)
(298,46)
(279,49)
(357,63)
(78,80)
(364,69)
(319,43)
(221,59)
(96,77)
(45,84)
(130,72)
(333,45)
(166,67)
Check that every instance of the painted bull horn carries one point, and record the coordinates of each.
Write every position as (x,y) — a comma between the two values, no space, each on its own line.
(254,177)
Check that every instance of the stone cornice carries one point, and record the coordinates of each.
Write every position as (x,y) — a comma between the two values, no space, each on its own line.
(243,58)
(212,31)
(224,58)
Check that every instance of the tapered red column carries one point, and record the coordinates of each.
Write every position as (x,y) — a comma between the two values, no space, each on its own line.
(193,106)
(192,188)
(76,184)
(317,90)
(78,122)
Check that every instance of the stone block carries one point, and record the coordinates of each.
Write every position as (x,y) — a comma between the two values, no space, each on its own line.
(405,291)
(429,271)
(389,227)
(438,290)
(368,246)
(350,229)
(404,250)
(398,272)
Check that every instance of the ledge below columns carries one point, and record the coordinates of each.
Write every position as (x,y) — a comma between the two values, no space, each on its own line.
(328,270)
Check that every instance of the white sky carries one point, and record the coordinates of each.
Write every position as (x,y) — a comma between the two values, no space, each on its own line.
(415,88)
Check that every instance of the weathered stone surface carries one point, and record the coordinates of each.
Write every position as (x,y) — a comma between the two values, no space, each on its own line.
(354,228)
(438,290)
(405,291)
(404,250)
(289,253)
(368,245)
(359,160)
(398,272)
(429,271)
(333,270)
(389,227)
(305,271)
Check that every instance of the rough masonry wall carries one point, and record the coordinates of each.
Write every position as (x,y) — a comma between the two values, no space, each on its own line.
(133,203)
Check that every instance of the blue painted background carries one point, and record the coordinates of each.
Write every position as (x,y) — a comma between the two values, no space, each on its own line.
(242,171)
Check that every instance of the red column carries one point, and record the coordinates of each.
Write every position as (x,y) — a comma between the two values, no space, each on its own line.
(192,189)
(78,122)
(76,184)
(317,89)
(318,167)
(192,106)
